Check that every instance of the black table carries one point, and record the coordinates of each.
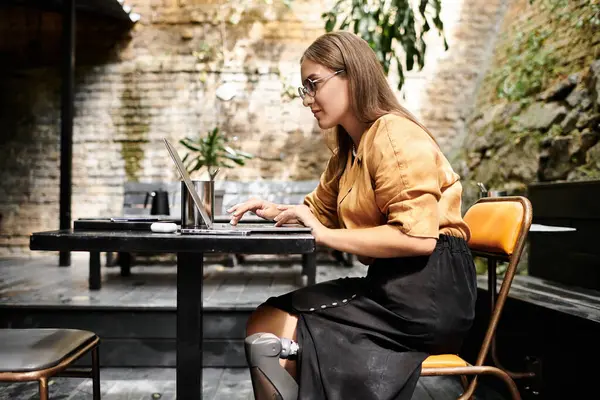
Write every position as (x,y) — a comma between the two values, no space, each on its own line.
(190,250)
(142,223)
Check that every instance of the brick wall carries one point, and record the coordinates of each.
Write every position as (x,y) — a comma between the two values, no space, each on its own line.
(134,87)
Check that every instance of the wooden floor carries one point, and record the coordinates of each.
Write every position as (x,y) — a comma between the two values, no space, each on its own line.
(40,282)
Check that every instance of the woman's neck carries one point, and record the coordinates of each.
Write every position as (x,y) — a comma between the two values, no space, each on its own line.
(355,128)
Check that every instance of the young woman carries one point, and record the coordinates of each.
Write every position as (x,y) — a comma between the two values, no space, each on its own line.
(389,196)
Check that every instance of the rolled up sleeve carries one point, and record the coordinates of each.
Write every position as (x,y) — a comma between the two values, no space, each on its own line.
(323,200)
(407,189)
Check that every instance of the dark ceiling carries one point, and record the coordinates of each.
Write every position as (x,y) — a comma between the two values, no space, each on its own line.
(108,8)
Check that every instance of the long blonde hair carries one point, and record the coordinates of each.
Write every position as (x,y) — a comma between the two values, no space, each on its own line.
(370,94)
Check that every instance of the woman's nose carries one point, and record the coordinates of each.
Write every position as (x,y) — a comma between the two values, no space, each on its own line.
(307,100)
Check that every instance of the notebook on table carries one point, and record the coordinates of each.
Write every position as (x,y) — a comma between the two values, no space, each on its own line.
(213,228)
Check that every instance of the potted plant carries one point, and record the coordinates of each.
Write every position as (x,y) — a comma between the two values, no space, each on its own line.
(212,152)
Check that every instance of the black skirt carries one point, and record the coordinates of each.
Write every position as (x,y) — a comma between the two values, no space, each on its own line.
(365,338)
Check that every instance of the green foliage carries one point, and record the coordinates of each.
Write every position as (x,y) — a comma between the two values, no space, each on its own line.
(593,18)
(587,16)
(481,267)
(530,62)
(555,131)
(387,24)
(393,28)
(212,152)
(289,88)
(135,128)
(206,52)
(527,68)
(588,172)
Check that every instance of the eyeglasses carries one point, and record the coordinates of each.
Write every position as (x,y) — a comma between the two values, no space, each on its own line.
(309,86)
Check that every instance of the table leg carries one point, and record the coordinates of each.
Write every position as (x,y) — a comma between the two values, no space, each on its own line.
(125,264)
(309,267)
(95,281)
(189,326)
(64,259)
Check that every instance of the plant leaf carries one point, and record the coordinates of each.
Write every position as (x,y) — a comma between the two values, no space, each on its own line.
(388,25)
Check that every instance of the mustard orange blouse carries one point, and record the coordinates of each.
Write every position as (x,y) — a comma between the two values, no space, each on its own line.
(400,177)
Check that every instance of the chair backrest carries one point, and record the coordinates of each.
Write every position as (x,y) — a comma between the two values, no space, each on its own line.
(496,224)
(499,227)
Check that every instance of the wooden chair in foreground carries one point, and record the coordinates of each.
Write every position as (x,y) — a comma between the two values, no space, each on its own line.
(39,354)
(499,226)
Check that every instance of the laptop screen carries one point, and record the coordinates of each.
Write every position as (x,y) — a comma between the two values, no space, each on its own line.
(188,183)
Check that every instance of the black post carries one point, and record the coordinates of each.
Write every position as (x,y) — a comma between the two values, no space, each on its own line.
(95,277)
(189,326)
(66,120)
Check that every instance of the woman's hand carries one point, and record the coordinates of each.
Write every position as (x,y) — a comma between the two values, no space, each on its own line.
(300,214)
(262,208)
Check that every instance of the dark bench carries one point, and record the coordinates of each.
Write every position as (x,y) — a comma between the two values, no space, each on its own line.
(227,194)
(137,201)
(137,197)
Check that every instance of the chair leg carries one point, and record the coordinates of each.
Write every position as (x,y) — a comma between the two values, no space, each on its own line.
(497,372)
(475,370)
(125,263)
(511,385)
(43,388)
(96,373)
(464,381)
(463,397)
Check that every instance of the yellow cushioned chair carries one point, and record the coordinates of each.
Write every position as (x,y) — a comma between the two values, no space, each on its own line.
(499,226)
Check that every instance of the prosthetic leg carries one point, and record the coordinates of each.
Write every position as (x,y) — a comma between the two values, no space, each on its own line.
(269,379)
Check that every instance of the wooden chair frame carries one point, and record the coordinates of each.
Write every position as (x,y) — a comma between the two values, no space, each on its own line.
(497,302)
(62,369)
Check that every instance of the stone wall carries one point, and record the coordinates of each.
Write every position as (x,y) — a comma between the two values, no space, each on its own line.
(538,111)
(161,79)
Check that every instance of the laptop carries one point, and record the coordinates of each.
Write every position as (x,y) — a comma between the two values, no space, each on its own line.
(212,228)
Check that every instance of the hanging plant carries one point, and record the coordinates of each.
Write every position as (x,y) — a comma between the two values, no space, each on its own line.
(391,27)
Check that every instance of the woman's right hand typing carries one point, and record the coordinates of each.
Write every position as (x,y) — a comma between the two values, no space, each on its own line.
(262,208)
